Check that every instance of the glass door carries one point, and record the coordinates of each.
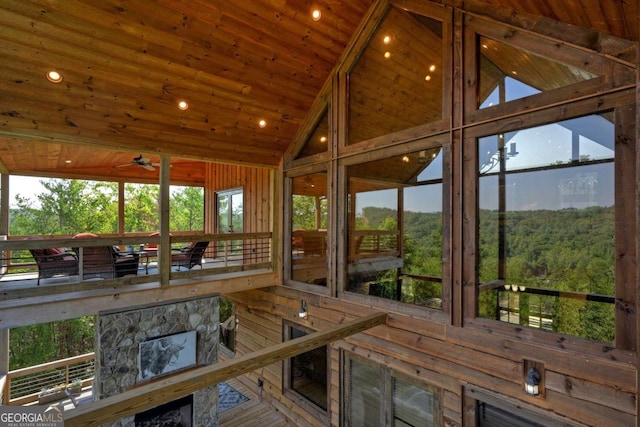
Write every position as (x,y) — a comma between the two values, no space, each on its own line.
(230,219)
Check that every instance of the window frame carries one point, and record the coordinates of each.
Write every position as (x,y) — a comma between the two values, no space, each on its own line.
(625,175)
(295,396)
(435,140)
(385,381)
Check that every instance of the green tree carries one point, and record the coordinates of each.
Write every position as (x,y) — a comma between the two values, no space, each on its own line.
(187,209)
(304,212)
(141,208)
(46,342)
(67,207)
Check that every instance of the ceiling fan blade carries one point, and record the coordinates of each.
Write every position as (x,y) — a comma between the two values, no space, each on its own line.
(155,164)
(148,167)
(122,166)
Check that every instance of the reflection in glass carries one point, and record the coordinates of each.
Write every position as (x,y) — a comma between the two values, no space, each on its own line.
(397,82)
(546,227)
(508,73)
(309,208)
(412,406)
(308,374)
(318,142)
(395,228)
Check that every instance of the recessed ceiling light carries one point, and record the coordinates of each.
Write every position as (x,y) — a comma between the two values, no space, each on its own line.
(316,14)
(262,123)
(386,39)
(54,76)
(427,77)
(67,161)
(183,105)
(323,139)
(432,68)
(387,55)
(405,159)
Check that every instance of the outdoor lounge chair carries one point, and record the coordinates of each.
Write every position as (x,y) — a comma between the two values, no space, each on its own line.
(54,262)
(104,262)
(189,256)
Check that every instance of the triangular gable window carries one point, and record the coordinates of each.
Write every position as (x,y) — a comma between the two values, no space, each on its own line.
(397,82)
(508,73)
(318,142)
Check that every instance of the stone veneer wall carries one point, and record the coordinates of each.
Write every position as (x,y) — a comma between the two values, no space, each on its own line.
(119,333)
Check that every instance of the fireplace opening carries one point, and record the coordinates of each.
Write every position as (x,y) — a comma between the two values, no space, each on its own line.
(178,413)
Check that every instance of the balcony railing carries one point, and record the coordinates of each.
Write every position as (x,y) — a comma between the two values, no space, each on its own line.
(23,386)
(69,260)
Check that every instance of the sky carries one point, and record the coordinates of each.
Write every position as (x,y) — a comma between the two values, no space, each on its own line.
(26,186)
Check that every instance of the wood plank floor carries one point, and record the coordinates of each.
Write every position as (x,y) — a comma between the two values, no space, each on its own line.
(252,413)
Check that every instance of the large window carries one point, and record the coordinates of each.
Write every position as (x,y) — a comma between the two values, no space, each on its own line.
(377,396)
(395,228)
(546,227)
(306,373)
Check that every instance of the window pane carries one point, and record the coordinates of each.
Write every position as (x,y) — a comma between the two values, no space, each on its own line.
(309,209)
(546,227)
(396,255)
(318,142)
(422,238)
(490,416)
(508,73)
(309,373)
(412,406)
(397,82)
(364,395)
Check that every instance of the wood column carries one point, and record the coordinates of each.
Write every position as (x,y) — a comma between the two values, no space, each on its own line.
(164,251)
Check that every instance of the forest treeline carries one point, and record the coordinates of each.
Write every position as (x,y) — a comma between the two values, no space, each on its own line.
(565,250)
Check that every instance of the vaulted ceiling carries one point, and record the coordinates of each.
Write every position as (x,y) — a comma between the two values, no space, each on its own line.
(125,66)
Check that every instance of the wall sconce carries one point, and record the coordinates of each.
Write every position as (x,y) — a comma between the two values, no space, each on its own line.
(303,310)
(532,382)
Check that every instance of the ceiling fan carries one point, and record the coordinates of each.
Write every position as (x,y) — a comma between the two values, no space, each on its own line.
(142,162)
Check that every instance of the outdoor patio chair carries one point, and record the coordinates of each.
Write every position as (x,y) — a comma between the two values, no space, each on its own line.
(104,262)
(53,262)
(189,256)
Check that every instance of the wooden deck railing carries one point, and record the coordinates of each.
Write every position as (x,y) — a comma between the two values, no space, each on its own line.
(225,253)
(23,386)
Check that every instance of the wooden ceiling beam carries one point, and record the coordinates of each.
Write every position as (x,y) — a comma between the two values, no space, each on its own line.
(147,396)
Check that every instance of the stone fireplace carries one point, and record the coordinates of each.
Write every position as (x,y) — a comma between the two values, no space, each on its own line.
(118,337)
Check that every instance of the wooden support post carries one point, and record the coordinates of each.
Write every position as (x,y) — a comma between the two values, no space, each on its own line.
(168,389)
(164,251)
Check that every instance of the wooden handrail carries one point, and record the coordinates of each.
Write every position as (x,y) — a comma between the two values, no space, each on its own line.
(50,365)
(44,367)
(168,389)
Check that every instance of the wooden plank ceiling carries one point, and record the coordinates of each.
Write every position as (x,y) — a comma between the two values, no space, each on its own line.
(126,65)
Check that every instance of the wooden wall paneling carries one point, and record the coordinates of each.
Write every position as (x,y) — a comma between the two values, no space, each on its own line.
(626,232)
(452,407)
(579,388)
(589,413)
(637,225)
(609,373)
